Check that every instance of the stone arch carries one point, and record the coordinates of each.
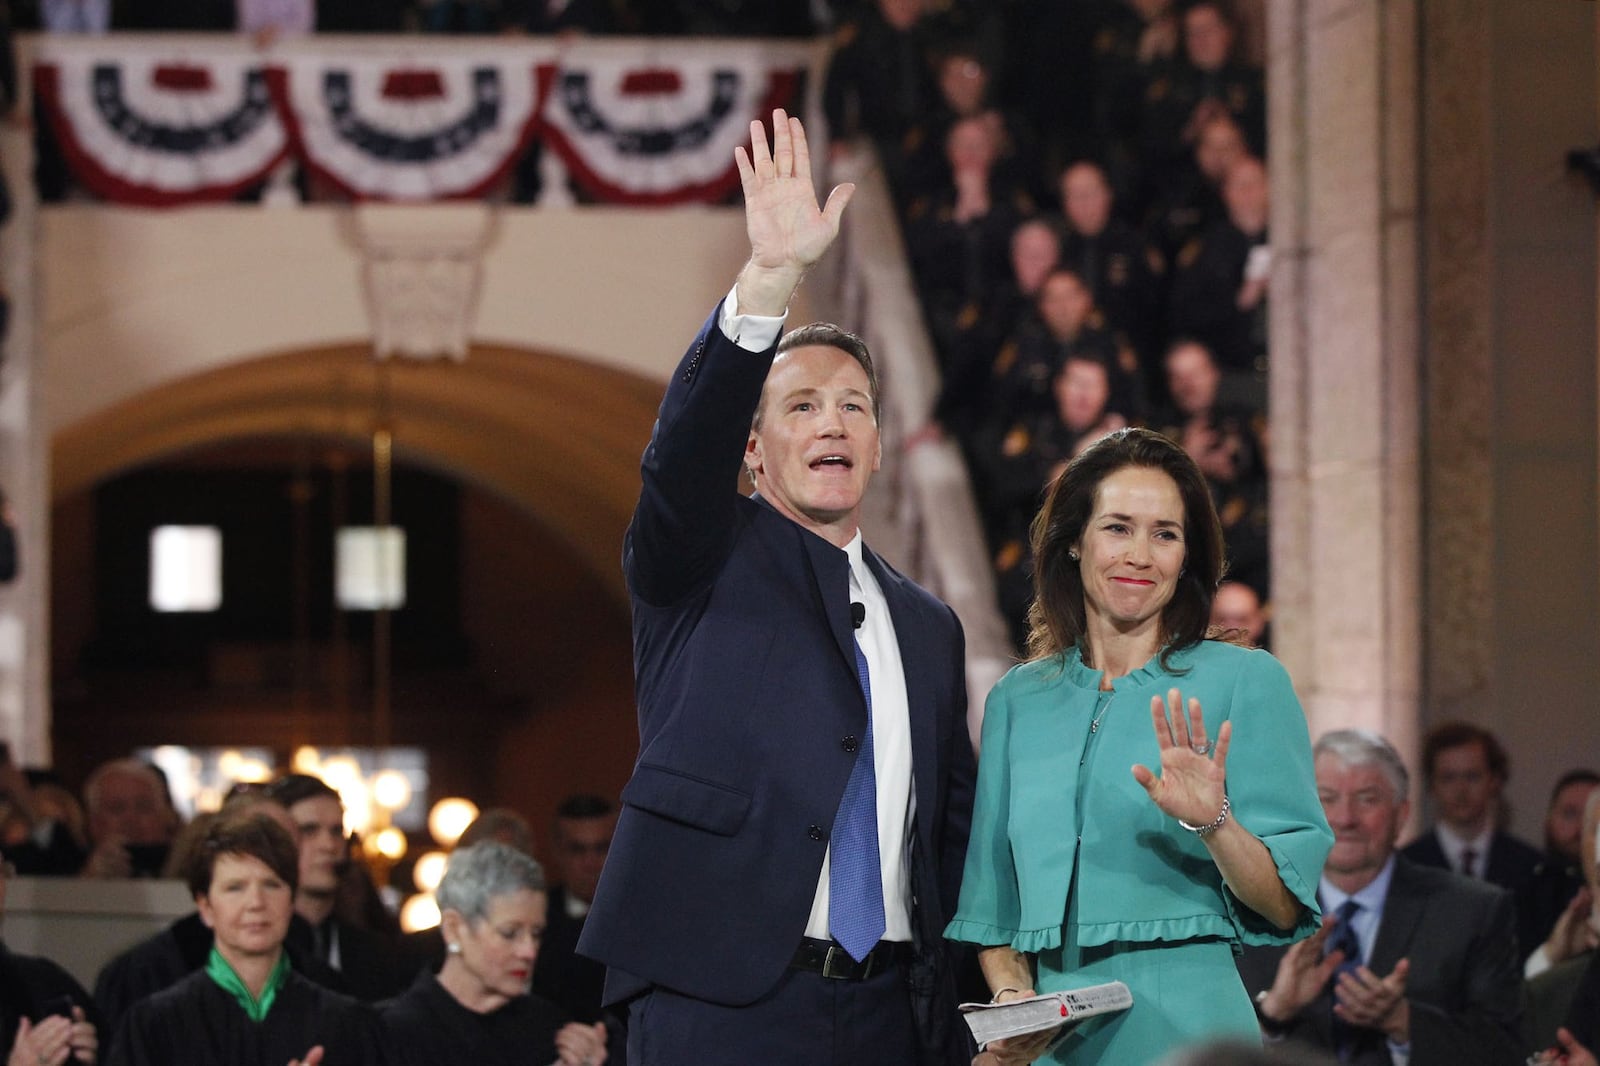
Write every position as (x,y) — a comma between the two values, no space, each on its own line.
(557,436)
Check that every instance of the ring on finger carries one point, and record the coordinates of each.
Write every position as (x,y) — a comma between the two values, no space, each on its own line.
(1202,747)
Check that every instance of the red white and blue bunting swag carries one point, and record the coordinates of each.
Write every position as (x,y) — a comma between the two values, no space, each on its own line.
(161,122)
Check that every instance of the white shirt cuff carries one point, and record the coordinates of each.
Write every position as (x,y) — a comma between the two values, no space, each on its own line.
(753,333)
(1399,1054)
(1537,963)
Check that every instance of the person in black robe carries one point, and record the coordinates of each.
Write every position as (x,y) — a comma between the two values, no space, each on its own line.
(248,1006)
(477,1009)
(42,1009)
(179,950)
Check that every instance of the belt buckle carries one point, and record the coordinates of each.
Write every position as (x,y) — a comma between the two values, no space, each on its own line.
(846,966)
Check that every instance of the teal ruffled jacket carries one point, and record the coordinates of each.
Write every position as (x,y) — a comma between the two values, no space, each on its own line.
(1058,808)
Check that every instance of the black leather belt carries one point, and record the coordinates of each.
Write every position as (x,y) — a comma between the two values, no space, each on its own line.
(830,960)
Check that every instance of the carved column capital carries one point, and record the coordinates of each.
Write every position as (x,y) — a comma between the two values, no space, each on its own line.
(422,271)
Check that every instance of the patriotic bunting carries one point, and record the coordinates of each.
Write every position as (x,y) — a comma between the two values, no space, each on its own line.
(159,131)
(432,132)
(653,135)
(172,121)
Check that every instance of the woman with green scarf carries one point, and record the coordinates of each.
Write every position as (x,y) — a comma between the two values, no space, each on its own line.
(247,1007)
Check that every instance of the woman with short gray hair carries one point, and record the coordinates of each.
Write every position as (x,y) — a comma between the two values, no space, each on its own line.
(477,1008)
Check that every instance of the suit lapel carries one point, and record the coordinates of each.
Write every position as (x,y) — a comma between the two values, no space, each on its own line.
(829,568)
(1402,915)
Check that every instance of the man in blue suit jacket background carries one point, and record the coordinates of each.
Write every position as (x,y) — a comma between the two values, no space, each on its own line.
(791,840)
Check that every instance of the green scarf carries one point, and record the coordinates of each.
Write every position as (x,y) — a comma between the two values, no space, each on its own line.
(218,970)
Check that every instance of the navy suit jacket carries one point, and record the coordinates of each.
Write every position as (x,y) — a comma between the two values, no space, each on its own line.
(1465,981)
(749,707)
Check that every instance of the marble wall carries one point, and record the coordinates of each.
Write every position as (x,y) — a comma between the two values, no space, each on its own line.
(1434,372)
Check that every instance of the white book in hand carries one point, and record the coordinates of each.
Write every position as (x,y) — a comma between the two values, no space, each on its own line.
(1016,1017)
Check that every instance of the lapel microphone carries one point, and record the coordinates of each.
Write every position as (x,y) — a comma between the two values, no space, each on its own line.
(858,614)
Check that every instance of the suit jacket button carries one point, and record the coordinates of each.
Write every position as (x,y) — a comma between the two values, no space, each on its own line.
(815,832)
(849,743)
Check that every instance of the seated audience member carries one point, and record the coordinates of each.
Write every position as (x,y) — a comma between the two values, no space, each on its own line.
(1016,462)
(1065,323)
(1555,969)
(365,961)
(42,822)
(963,393)
(248,1005)
(45,1015)
(131,820)
(1208,79)
(478,1011)
(1188,199)
(1466,769)
(1237,606)
(182,948)
(964,92)
(958,238)
(423,949)
(1133,41)
(1225,442)
(1559,875)
(1110,256)
(879,84)
(1413,964)
(582,835)
(1220,286)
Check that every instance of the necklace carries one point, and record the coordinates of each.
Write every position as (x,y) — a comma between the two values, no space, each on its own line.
(1100,712)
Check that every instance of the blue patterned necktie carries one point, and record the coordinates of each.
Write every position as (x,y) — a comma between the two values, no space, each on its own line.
(1344,939)
(855,875)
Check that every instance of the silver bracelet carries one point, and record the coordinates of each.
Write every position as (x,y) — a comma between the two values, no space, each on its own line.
(1207,830)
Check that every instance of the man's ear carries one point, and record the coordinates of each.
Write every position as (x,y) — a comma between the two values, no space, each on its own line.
(752,454)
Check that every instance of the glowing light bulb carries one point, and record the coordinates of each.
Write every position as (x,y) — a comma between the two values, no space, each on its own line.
(449,818)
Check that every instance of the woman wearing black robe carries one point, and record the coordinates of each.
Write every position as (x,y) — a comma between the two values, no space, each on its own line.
(247,1006)
(477,1010)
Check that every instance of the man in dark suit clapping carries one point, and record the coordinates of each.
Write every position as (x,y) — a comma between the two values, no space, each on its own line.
(1413,964)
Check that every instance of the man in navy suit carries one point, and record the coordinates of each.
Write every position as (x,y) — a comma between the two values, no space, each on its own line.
(791,840)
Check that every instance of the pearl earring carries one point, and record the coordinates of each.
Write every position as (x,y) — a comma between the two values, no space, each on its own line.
(453,948)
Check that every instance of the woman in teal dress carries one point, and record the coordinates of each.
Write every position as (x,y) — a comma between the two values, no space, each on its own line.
(1146,802)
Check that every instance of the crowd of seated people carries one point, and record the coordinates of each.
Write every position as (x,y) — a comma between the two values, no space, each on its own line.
(1121,221)
(276,860)
(1464,946)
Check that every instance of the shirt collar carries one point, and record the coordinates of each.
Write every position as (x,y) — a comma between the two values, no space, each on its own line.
(229,981)
(1370,897)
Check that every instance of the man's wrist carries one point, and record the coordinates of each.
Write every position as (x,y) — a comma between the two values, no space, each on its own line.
(1396,1025)
(766,291)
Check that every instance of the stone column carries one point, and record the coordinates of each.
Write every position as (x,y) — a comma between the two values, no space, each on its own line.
(1347,574)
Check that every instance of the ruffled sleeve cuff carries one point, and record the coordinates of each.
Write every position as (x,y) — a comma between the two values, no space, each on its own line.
(1028,941)
(1254,930)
